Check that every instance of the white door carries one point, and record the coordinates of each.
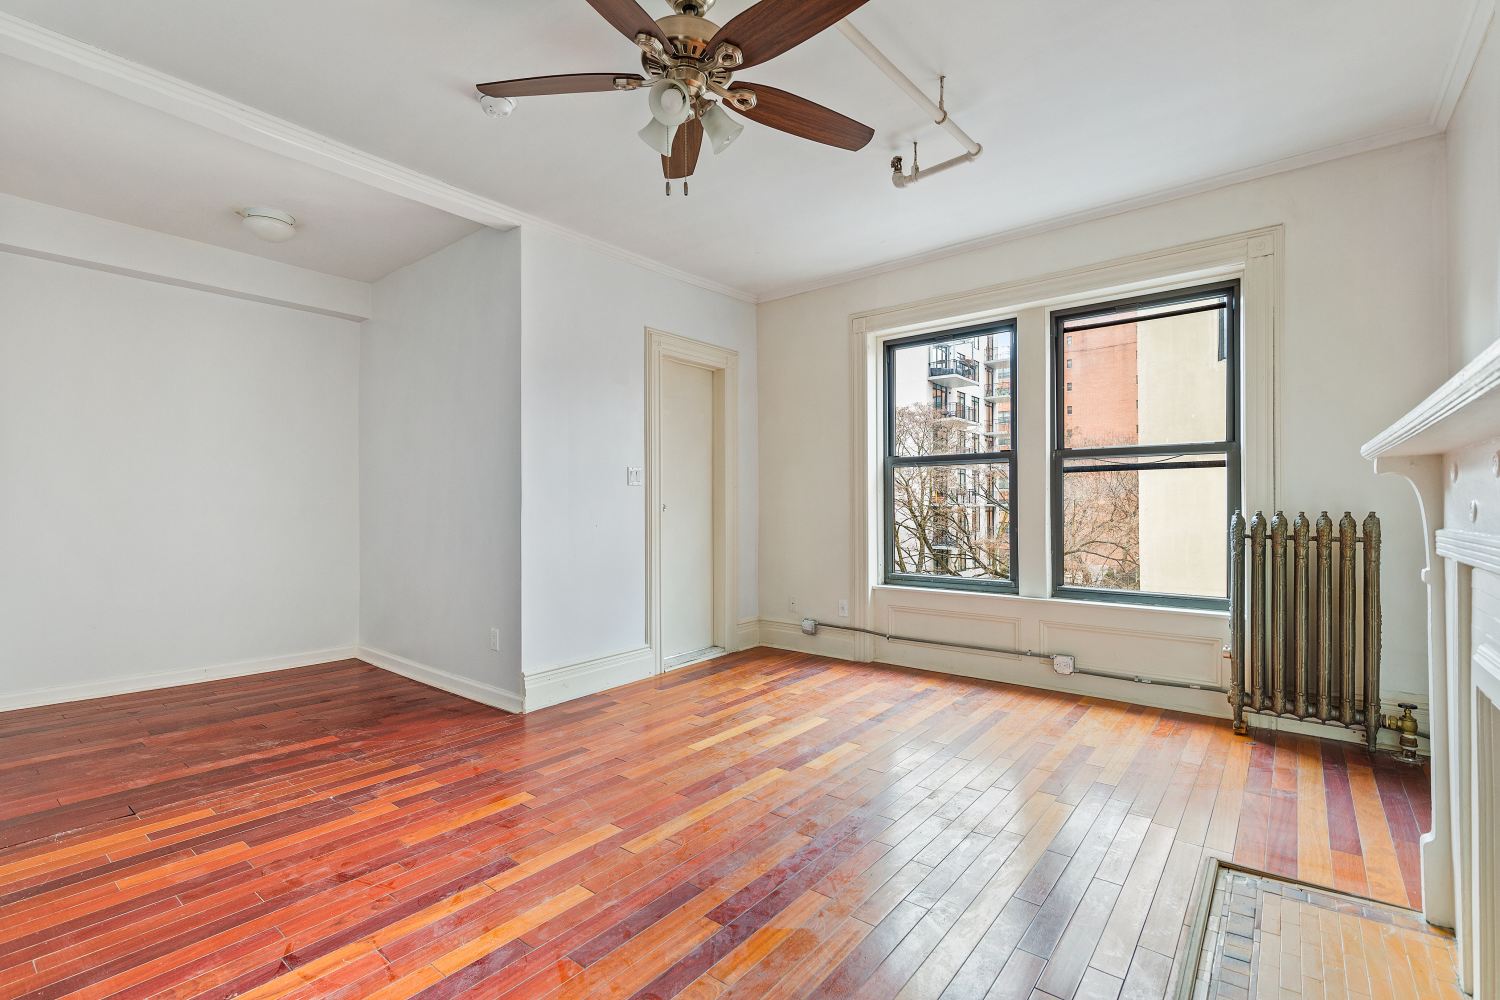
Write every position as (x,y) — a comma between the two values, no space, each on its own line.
(687,514)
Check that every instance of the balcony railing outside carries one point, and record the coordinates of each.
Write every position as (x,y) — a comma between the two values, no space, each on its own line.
(956,498)
(994,352)
(955,410)
(953,364)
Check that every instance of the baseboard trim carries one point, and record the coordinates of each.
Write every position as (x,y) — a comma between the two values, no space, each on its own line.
(136,683)
(789,635)
(485,694)
(1032,674)
(747,634)
(556,685)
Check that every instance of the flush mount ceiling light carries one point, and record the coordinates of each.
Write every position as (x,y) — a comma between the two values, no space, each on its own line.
(497,107)
(689,64)
(270,224)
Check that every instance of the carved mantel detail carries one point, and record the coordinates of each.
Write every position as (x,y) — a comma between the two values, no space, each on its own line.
(1441,448)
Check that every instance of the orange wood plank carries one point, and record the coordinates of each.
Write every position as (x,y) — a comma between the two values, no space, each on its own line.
(386,833)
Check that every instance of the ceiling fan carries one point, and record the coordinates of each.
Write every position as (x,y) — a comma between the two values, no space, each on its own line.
(689,60)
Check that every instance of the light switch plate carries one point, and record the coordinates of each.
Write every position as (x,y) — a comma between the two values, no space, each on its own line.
(633,476)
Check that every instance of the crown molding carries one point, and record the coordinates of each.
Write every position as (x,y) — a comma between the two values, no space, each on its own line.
(1394,137)
(1465,54)
(52,50)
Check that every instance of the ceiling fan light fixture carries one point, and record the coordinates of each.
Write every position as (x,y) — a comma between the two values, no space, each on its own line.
(719,127)
(670,103)
(658,136)
(270,224)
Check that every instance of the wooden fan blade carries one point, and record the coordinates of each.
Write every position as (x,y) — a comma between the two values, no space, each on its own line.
(802,117)
(629,19)
(686,145)
(568,83)
(772,26)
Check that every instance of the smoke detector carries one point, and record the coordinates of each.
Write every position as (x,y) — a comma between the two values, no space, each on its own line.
(270,224)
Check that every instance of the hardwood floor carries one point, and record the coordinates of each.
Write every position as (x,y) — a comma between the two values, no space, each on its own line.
(768,824)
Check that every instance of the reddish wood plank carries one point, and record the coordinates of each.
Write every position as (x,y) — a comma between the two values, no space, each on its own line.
(333,831)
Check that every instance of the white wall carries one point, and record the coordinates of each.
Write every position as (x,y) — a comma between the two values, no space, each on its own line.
(1364,339)
(583,390)
(440,450)
(178,483)
(1473,210)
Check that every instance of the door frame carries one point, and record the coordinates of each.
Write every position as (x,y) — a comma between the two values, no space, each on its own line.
(724,365)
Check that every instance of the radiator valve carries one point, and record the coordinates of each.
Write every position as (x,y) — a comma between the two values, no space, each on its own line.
(1406,725)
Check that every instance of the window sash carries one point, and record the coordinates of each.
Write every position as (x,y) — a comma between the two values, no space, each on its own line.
(1006,331)
(1098,315)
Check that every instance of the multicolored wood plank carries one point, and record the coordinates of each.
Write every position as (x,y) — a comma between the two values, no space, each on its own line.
(768,824)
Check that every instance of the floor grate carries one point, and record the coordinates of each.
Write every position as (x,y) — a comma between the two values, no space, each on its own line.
(1261,937)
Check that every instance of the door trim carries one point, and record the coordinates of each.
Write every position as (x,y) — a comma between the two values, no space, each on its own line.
(724,365)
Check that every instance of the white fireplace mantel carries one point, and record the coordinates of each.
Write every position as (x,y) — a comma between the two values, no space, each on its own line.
(1448,448)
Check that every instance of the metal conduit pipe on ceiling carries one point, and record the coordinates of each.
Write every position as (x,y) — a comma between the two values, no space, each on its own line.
(938,115)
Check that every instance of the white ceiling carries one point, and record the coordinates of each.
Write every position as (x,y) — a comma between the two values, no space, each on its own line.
(1080,104)
(82,148)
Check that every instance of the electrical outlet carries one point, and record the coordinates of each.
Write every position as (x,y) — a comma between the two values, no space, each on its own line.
(791,604)
(495,639)
(843,609)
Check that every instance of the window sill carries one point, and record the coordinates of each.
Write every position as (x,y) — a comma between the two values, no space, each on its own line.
(1059,602)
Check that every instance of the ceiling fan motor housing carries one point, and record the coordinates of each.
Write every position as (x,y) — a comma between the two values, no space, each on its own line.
(688,33)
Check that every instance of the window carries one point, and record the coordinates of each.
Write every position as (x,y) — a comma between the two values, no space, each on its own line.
(1142,493)
(949,468)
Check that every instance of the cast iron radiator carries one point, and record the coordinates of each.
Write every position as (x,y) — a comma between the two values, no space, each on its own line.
(1305,620)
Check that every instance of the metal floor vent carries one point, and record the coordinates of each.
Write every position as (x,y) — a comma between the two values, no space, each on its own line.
(692,656)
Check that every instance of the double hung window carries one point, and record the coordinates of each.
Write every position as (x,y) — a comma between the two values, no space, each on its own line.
(1146,458)
(1143,416)
(949,467)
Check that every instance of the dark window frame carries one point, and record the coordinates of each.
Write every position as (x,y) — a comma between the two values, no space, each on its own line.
(890,462)
(1230,447)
